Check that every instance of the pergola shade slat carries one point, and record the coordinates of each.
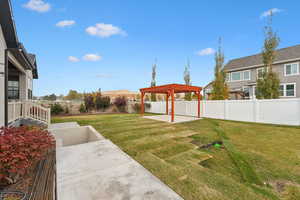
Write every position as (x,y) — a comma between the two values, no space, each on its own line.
(170,90)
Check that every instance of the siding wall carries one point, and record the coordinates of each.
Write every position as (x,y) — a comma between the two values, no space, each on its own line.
(275,111)
(2,60)
(279,69)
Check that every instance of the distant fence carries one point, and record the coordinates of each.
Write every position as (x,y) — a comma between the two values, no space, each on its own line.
(274,111)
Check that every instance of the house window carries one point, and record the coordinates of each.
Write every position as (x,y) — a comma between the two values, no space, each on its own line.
(29,94)
(13,89)
(291,69)
(281,90)
(246,91)
(290,90)
(260,73)
(235,76)
(246,75)
(287,90)
(227,77)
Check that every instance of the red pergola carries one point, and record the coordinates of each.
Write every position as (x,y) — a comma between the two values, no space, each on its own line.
(170,90)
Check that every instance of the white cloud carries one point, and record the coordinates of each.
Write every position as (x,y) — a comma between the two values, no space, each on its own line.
(268,12)
(65,23)
(205,52)
(73,59)
(92,57)
(103,76)
(37,5)
(105,30)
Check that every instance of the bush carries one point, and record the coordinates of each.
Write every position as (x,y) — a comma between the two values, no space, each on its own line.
(102,102)
(137,107)
(121,103)
(67,110)
(56,109)
(82,108)
(20,149)
(89,102)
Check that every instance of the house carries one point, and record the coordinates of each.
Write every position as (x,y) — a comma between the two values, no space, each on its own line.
(18,68)
(242,74)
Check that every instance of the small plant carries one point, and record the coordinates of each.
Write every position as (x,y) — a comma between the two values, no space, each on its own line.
(56,109)
(121,103)
(82,108)
(137,107)
(20,149)
(67,110)
(89,102)
(102,102)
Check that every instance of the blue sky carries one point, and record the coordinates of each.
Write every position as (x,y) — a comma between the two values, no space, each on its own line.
(112,44)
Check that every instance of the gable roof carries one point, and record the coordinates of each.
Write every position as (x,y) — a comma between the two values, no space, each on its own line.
(11,39)
(284,54)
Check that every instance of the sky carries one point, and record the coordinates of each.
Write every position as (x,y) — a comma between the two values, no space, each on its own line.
(112,44)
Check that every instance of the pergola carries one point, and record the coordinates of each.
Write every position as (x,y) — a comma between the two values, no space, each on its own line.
(170,90)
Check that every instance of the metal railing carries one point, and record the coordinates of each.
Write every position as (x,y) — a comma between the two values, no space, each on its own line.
(28,109)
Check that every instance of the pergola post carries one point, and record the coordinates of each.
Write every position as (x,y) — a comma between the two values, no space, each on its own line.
(142,103)
(172,96)
(167,104)
(198,95)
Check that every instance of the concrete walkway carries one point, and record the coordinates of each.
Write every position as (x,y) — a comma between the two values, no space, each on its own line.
(101,171)
(167,118)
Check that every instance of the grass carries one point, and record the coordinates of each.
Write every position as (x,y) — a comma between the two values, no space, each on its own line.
(256,157)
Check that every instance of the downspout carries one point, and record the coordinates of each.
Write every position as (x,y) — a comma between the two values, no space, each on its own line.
(6,87)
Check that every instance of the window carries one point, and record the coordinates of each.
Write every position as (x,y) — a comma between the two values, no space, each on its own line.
(29,94)
(13,89)
(287,90)
(246,75)
(239,76)
(290,90)
(227,77)
(281,90)
(246,91)
(260,73)
(291,69)
(235,76)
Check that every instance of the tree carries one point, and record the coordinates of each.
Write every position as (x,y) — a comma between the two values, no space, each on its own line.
(51,97)
(219,86)
(73,95)
(153,82)
(187,80)
(268,85)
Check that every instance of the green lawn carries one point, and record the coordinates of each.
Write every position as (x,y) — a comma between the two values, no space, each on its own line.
(257,162)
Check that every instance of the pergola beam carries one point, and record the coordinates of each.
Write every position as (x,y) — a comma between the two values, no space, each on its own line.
(170,90)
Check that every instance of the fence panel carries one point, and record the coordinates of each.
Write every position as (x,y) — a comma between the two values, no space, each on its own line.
(274,111)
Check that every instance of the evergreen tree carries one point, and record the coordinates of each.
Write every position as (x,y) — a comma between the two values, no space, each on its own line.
(153,82)
(219,86)
(187,80)
(268,85)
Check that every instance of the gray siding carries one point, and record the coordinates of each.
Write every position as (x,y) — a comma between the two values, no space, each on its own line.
(279,69)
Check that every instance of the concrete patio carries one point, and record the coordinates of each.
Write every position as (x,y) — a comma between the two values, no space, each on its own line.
(97,169)
(167,118)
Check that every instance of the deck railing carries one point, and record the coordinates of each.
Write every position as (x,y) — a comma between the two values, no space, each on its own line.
(28,109)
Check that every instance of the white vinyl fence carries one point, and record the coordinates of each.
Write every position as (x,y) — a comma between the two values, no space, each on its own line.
(274,111)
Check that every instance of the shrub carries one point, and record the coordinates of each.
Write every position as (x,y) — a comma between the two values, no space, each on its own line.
(56,109)
(102,102)
(82,108)
(137,107)
(20,149)
(89,102)
(67,110)
(121,103)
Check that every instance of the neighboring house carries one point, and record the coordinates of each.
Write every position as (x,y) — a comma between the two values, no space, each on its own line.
(243,73)
(17,71)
